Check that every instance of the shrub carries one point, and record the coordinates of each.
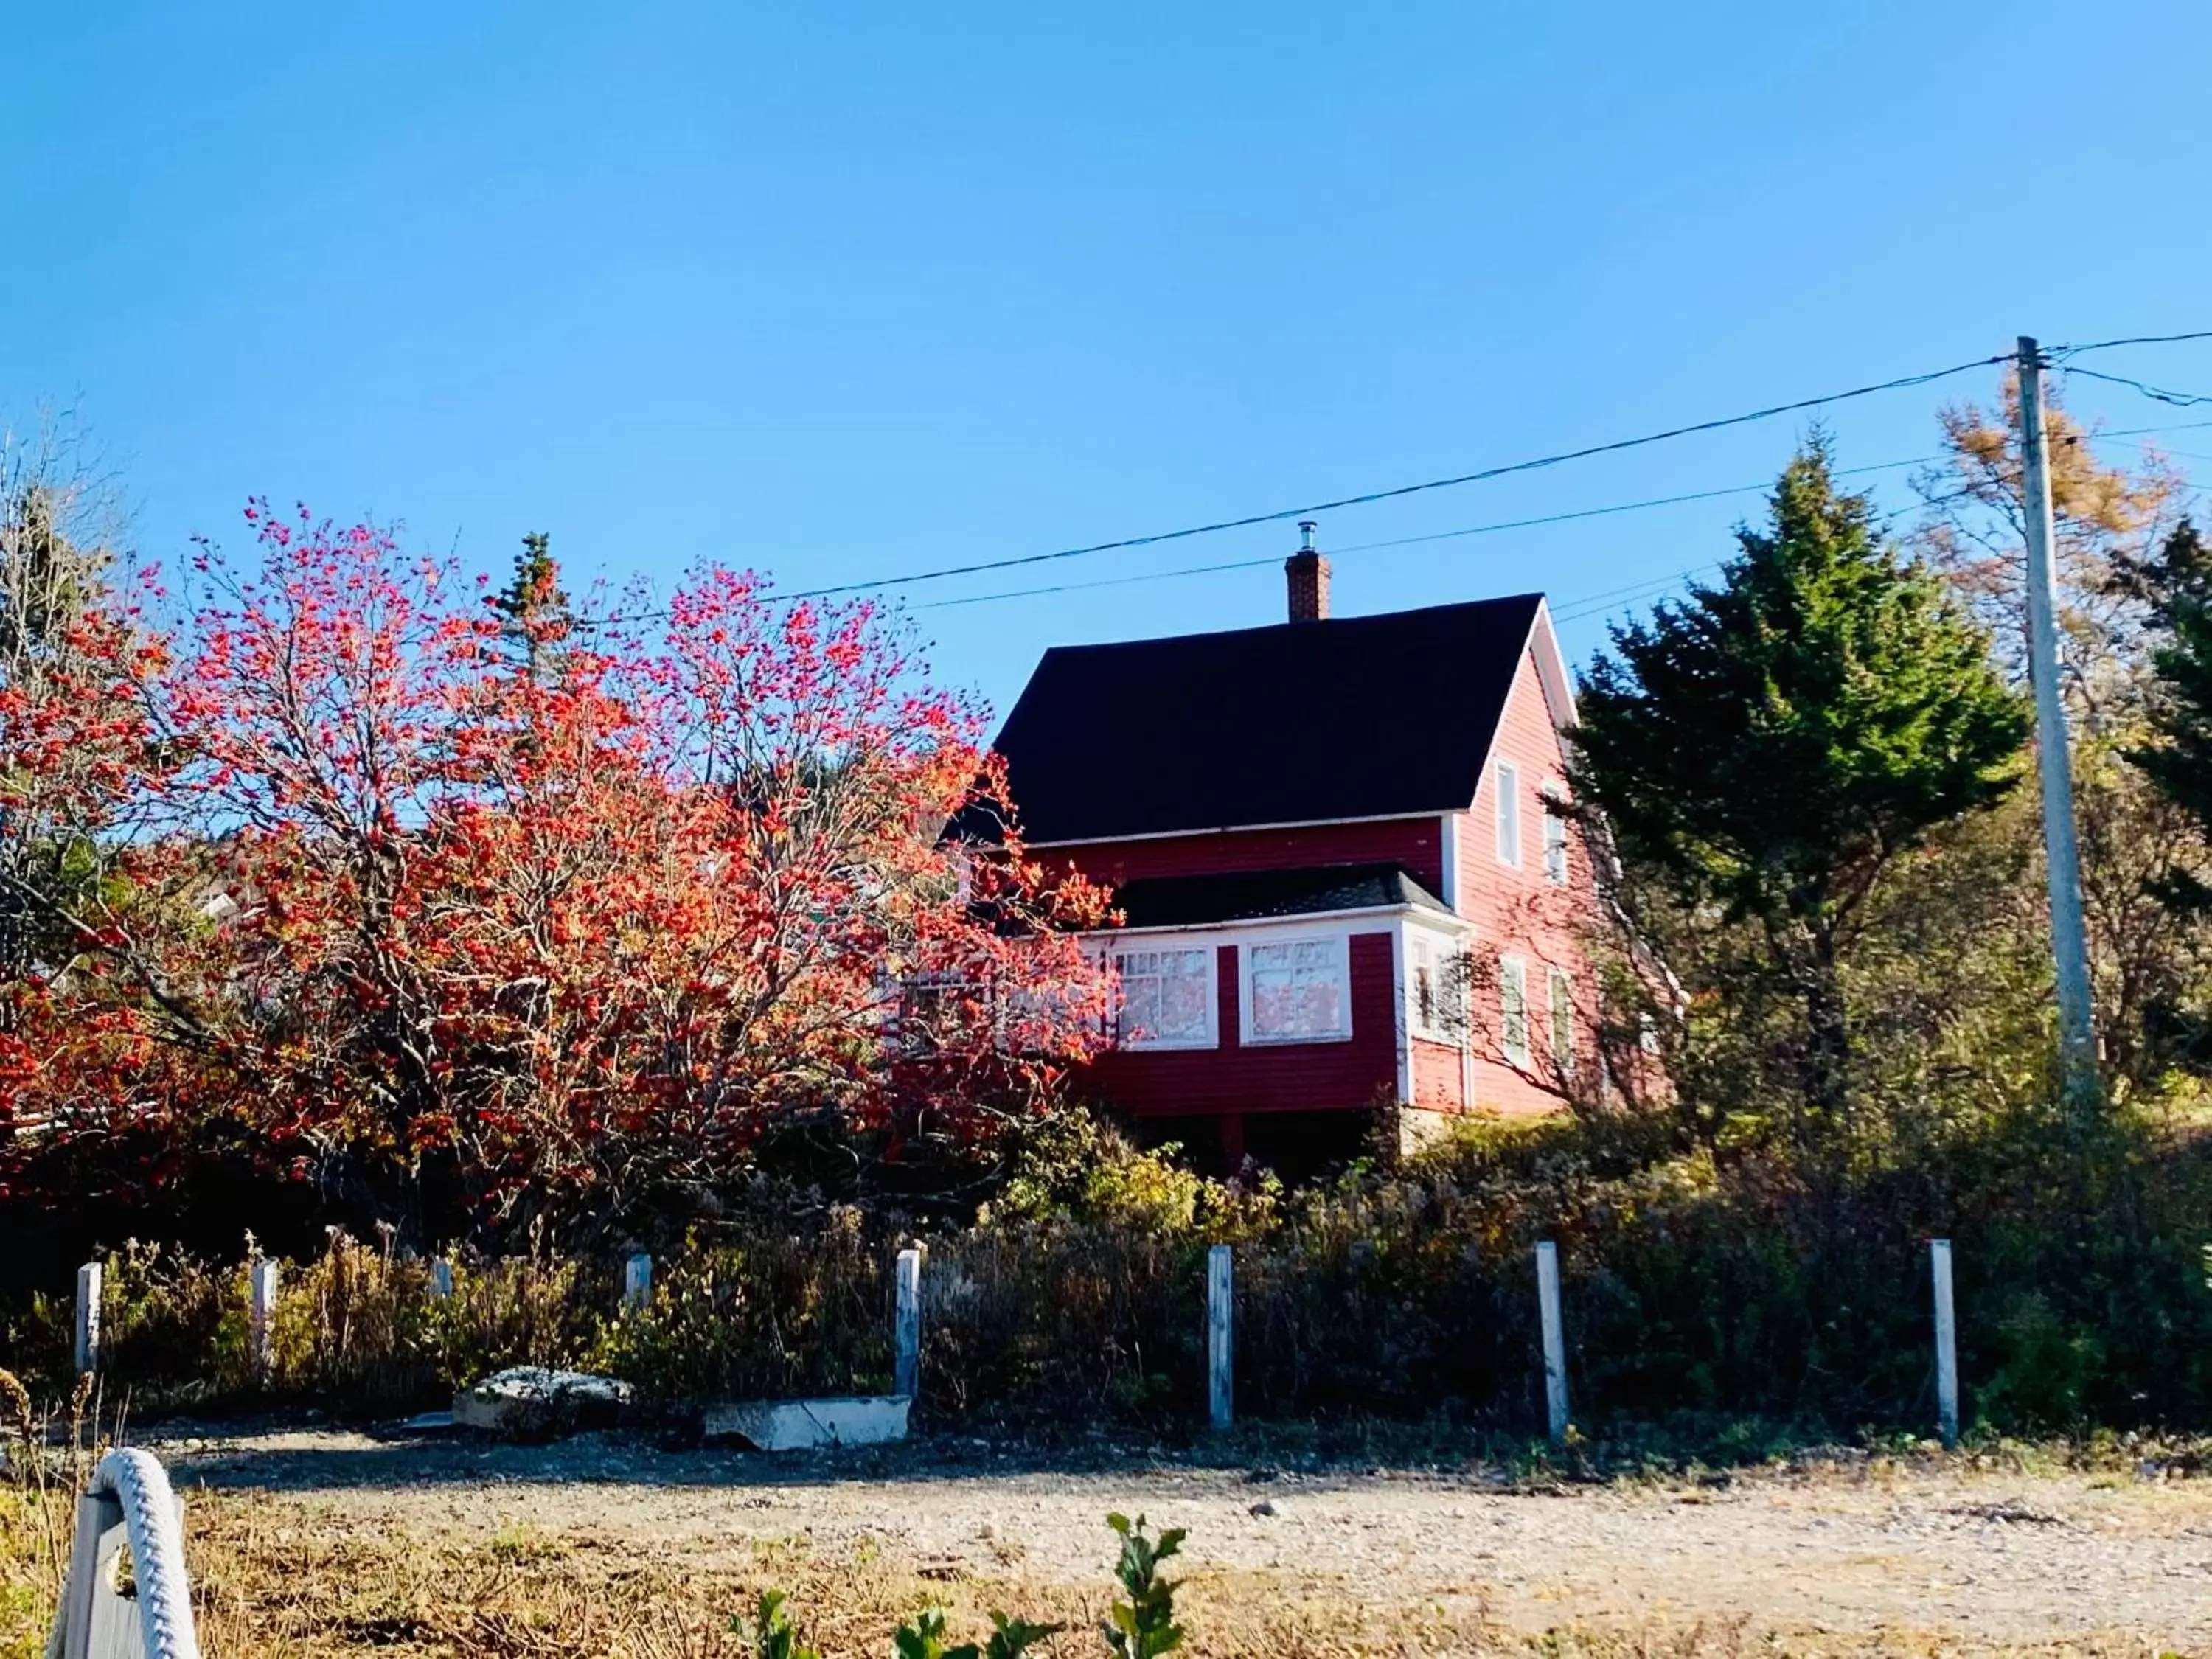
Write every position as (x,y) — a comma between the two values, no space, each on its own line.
(797,1312)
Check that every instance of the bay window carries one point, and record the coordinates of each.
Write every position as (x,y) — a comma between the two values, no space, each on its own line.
(1297,990)
(1168,997)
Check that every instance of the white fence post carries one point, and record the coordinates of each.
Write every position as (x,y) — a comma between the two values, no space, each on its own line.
(88,1318)
(262,1306)
(906,1331)
(442,1279)
(1946,1342)
(637,1282)
(1220,1373)
(1555,1341)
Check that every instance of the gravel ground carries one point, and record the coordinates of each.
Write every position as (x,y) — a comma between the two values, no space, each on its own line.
(1945,1554)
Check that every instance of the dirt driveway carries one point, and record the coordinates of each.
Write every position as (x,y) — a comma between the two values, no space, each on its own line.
(1884,1554)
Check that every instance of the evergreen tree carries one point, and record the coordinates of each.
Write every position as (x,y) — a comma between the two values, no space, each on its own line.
(536,609)
(2180,585)
(1768,746)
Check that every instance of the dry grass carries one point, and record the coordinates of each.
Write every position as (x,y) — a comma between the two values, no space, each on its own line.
(286,1581)
(50,1457)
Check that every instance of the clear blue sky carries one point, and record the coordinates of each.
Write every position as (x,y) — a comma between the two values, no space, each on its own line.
(845,290)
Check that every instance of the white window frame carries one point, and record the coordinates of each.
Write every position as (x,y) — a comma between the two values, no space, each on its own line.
(1446,1016)
(1340,948)
(1512,1003)
(1119,951)
(1556,866)
(1506,809)
(1560,989)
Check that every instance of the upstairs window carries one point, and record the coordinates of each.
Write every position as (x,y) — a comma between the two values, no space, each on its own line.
(1168,999)
(1555,843)
(1299,990)
(1509,813)
(1513,1010)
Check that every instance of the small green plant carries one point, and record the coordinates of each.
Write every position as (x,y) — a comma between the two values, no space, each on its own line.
(923,1637)
(768,1632)
(1012,1637)
(1143,1627)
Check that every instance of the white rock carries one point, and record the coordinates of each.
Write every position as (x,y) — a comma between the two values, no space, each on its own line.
(800,1424)
(531,1400)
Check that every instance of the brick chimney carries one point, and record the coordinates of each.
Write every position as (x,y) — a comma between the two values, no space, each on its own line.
(1309,578)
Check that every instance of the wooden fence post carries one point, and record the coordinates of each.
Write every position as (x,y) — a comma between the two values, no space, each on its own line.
(1946,1342)
(1220,1371)
(906,1330)
(637,1282)
(1555,1341)
(262,1309)
(88,1318)
(442,1279)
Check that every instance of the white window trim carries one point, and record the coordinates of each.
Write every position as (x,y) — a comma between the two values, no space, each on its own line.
(1505,783)
(1555,825)
(1150,945)
(1558,987)
(1444,950)
(1515,970)
(1341,942)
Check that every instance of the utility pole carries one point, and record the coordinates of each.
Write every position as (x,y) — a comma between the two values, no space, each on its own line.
(2070,940)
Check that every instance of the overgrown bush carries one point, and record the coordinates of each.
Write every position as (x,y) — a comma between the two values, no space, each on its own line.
(1742,1282)
(798,1311)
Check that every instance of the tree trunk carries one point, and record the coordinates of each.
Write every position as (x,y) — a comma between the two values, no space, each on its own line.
(1825,1069)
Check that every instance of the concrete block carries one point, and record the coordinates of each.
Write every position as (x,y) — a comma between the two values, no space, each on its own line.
(802,1425)
(531,1401)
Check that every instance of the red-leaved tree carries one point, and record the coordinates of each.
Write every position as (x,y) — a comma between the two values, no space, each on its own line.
(80,767)
(561,931)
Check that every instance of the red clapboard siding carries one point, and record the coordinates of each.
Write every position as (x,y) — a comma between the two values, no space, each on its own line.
(1438,1084)
(1275,1076)
(1517,911)
(1417,843)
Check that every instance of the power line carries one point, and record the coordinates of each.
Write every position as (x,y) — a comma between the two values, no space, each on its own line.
(2059,353)
(2147,431)
(2179,399)
(1103,581)
(1049,589)
(1620,598)
(1405,541)
(1253,519)
(1052,588)
(1593,605)
(1313,508)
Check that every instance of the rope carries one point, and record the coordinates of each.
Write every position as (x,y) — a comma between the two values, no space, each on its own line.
(140,1485)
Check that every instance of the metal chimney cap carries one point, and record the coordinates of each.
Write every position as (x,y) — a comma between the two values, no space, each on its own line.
(1306,528)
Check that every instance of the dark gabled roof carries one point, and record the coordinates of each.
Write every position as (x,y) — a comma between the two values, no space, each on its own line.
(1255,895)
(1357,717)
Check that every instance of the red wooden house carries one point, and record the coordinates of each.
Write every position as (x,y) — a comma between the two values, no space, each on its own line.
(1330,843)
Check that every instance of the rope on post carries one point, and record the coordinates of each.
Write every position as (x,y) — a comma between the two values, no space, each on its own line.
(130,1492)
